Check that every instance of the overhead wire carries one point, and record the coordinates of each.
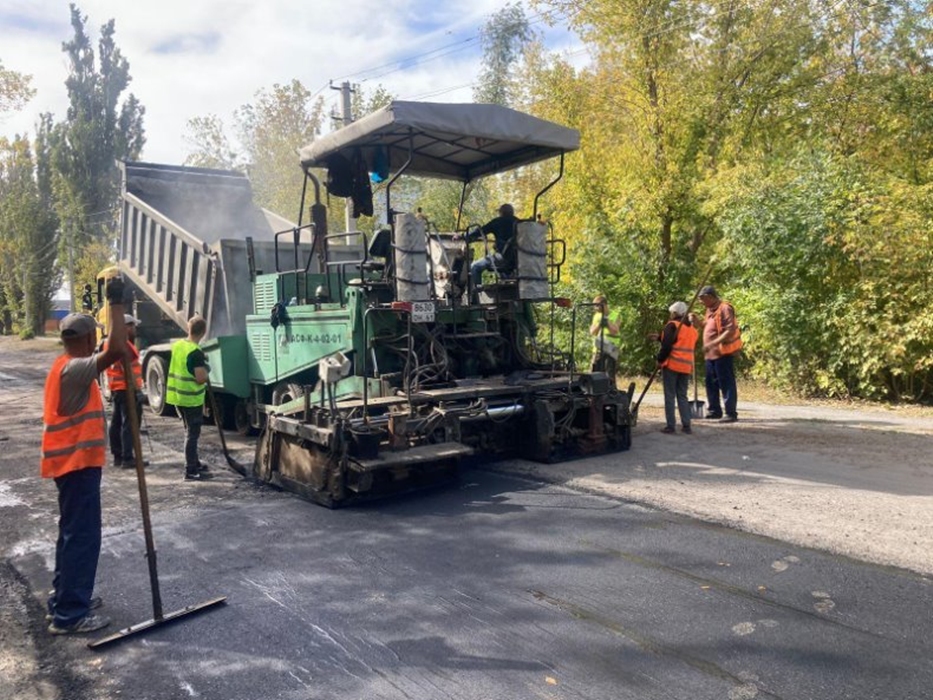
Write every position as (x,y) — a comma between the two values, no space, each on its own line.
(409,62)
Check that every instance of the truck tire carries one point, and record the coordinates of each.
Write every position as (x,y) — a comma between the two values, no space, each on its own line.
(241,421)
(285,392)
(157,386)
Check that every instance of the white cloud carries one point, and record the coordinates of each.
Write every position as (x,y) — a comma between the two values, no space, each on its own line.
(197,57)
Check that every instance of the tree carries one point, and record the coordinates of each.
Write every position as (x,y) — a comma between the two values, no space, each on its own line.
(212,149)
(28,241)
(15,90)
(98,129)
(789,142)
(272,128)
(503,37)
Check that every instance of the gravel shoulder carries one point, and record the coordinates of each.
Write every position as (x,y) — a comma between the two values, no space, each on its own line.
(851,481)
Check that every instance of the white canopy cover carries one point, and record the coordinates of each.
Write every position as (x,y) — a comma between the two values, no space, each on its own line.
(454,141)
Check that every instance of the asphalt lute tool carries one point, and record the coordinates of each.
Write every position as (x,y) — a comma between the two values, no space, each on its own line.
(158,617)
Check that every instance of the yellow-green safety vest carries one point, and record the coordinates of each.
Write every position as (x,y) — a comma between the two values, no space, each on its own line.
(181,388)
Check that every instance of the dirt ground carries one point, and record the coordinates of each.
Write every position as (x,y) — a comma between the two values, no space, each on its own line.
(855,482)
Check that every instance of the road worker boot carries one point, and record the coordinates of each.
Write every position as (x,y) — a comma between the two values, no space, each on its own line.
(198,475)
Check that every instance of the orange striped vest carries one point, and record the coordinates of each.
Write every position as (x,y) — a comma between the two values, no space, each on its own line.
(70,443)
(681,358)
(734,344)
(115,377)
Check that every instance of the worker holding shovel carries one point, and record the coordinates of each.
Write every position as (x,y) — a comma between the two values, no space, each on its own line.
(676,362)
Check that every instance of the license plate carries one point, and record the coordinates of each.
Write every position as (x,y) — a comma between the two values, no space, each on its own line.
(422,311)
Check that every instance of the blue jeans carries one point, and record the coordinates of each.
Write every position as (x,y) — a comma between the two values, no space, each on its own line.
(480,266)
(193,417)
(720,379)
(78,546)
(675,391)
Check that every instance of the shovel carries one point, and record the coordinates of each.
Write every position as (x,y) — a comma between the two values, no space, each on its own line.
(697,407)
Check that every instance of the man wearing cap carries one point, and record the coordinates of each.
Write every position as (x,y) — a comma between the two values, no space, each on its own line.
(74,445)
(722,340)
(503,229)
(675,360)
(121,433)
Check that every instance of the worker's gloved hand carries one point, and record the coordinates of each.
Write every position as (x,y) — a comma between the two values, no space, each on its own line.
(115,290)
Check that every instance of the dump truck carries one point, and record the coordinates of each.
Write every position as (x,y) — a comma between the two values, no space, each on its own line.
(426,370)
(192,241)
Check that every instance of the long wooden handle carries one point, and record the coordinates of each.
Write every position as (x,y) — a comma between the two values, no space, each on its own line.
(133,418)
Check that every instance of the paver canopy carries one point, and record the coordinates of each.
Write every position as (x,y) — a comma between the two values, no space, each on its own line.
(454,141)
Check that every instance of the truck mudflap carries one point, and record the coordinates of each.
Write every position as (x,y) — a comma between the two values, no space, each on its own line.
(350,452)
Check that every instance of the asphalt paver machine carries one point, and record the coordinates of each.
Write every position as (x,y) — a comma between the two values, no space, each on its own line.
(417,369)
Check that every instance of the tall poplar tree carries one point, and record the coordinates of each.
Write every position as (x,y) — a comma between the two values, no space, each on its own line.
(101,126)
(28,274)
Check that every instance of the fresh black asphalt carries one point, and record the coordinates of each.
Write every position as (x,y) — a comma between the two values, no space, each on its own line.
(497,588)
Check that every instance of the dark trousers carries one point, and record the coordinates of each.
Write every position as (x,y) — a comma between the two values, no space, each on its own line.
(121,434)
(78,547)
(720,379)
(675,392)
(193,417)
(602,362)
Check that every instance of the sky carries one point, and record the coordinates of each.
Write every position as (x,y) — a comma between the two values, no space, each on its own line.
(192,58)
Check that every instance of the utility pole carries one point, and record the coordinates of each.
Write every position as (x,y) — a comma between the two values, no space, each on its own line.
(71,270)
(346,118)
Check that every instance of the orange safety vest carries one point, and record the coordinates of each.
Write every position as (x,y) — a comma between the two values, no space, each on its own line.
(115,371)
(681,358)
(78,441)
(728,347)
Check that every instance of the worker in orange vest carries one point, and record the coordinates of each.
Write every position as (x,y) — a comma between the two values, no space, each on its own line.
(675,359)
(74,447)
(121,434)
(722,340)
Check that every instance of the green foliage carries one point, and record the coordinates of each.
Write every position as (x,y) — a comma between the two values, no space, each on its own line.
(269,131)
(279,121)
(15,90)
(788,144)
(28,241)
(100,128)
(504,37)
(212,149)
(832,259)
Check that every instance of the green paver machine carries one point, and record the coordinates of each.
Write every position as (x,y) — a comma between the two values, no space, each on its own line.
(388,368)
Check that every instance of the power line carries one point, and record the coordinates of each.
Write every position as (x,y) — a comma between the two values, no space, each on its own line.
(436,53)
(440,91)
